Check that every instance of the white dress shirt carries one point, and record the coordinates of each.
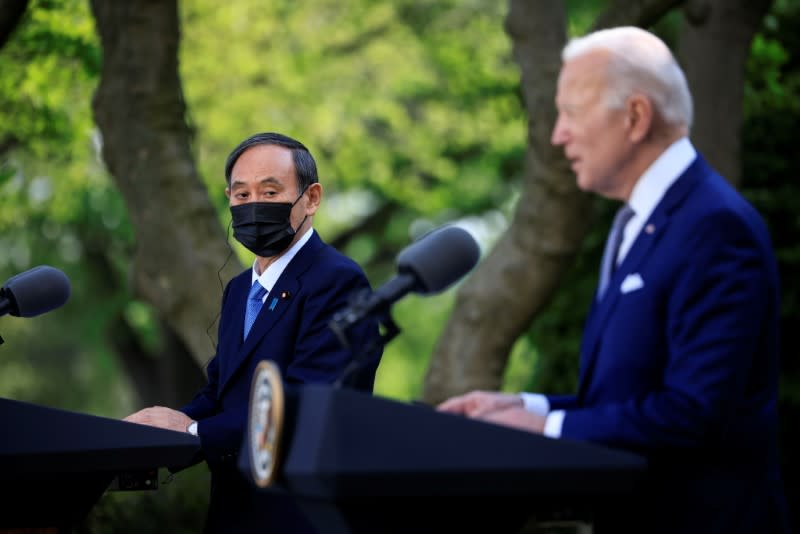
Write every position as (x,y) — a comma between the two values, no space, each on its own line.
(276,268)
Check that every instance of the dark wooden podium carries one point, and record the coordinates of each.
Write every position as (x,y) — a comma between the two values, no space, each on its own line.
(360,463)
(55,464)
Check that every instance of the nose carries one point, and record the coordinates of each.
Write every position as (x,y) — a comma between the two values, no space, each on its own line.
(559,135)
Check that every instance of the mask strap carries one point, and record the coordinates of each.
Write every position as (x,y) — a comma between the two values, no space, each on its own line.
(303,192)
(301,224)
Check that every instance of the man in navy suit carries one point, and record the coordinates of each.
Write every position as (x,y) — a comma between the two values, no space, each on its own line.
(278,310)
(679,358)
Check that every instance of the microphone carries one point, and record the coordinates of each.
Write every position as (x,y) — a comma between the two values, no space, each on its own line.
(34,292)
(429,265)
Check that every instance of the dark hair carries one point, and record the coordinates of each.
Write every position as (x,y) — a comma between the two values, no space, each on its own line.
(304,165)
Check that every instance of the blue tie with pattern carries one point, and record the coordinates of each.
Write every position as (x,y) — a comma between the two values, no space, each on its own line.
(609,264)
(254,302)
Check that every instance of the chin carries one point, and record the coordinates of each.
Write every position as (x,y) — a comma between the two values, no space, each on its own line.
(583,183)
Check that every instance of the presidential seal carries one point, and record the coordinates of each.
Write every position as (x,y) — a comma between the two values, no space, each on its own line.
(266,421)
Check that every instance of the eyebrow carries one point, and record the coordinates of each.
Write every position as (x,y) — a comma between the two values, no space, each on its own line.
(269,180)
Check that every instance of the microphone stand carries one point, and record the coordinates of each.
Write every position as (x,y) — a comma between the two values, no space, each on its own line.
(361,354)
(5,307)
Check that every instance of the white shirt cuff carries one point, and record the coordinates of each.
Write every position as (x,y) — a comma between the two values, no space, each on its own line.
(554,423)
(536,403)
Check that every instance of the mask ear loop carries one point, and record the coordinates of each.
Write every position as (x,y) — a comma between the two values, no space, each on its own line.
(222,290)
(303,192)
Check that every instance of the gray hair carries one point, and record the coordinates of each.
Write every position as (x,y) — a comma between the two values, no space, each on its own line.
(640,62)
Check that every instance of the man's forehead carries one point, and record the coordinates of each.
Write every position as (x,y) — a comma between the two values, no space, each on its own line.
(265,164)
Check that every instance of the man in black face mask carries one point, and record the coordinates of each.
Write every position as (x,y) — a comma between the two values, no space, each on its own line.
(277,310)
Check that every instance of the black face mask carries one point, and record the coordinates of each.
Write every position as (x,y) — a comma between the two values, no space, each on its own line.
(264,228)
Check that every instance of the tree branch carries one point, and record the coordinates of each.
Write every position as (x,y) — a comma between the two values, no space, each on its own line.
(377,219)
(141,112)
(642,13)
(11,12)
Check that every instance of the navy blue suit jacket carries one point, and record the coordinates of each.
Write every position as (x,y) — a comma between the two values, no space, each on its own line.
(292,331)
(683,366)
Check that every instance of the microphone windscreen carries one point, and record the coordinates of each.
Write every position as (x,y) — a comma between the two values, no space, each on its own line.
(439,258)
(37,291)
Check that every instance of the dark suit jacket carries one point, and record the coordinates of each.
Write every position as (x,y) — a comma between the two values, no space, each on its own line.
(683,366)
(291,330)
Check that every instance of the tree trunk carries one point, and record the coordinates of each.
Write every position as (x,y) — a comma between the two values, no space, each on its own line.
(140,110)
(714,46)
(513,283)
(495,305)
(643,13)
(11,12)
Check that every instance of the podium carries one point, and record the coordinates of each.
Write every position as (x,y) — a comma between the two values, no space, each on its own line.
(55,464)
(360,463)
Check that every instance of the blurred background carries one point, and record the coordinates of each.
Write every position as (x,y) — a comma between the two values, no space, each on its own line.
(116,119)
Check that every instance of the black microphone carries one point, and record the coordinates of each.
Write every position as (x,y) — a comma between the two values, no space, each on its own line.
(34,292)
(429,265)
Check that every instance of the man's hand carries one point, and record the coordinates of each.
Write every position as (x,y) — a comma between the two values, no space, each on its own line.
(161,417)
(517,417)
(478,404)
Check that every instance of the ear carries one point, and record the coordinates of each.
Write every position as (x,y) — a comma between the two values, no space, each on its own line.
(639,117)
(314,195)
(228,192)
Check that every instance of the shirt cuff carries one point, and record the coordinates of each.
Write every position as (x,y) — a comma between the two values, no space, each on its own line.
(554,423)
(536,403)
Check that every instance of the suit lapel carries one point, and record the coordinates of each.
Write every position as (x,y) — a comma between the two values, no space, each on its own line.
(231,339)
(651,232)
(279,300)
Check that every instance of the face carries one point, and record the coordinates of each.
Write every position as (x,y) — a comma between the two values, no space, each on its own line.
(595,138)
(265,173)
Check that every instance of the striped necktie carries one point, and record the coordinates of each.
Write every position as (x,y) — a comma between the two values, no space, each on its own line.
(609,264)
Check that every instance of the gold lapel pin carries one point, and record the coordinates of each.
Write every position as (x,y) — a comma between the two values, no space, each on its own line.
(285,295)
(650,228)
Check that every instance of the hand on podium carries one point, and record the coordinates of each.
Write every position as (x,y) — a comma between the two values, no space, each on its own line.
(161,417)
(494,407)
(478,403)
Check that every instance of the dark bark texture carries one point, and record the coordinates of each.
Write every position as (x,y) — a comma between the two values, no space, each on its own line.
(179,265)
(713,49)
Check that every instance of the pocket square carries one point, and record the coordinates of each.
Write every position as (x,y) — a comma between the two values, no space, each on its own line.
(632,282)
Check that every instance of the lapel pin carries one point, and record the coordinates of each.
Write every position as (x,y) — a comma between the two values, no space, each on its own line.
(285,295)
(273,304)
(650,228)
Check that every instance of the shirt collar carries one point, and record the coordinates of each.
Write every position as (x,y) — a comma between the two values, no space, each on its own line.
(652,186)
(662,173)
(276,268)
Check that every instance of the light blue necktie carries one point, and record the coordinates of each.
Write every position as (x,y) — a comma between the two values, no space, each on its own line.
(254,302)
(609,264)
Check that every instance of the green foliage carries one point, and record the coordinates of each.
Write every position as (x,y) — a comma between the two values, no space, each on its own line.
(419,110)
(411,105)
(772,164)
(57,207)
(582,14)
(405,359)
(52,53)
(408,105)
